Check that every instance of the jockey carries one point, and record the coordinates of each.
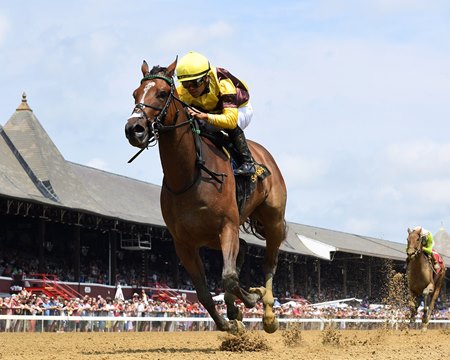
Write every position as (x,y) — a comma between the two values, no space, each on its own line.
(221,100)
(427,245)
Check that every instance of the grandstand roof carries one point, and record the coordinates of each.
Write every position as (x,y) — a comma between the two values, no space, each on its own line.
(32,168)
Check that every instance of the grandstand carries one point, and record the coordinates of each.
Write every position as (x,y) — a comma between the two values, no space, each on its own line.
(79,221)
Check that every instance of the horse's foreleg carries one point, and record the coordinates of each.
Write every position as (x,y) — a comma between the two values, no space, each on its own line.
(230,273)
(413,306)
(427,293)
(194,266)
(233,312)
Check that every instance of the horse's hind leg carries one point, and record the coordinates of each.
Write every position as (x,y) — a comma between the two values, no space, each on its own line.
(275,234)
(434,296)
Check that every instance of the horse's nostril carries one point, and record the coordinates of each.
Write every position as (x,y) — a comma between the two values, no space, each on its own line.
(139,129)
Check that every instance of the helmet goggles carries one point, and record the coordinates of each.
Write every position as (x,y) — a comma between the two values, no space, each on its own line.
(193,83)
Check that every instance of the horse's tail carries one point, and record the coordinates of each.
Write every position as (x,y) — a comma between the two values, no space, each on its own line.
(252,226)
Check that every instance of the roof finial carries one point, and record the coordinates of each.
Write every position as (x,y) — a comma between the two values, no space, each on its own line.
(23,105)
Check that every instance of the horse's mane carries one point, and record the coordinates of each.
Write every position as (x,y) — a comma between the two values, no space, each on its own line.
(158,70)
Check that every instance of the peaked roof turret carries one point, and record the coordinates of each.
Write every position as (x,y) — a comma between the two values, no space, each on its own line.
(43,162)
(442,241)
(24,104)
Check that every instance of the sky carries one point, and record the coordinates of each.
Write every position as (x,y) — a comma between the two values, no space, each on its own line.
(352,98)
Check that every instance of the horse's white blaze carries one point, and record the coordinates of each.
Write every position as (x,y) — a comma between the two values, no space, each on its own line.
(146,89)
(135,115)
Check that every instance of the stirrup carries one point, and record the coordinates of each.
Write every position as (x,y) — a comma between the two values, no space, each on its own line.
(246,169)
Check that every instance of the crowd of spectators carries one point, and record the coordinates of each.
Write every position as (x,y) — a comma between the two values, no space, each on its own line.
(143,305)
(93,270)
(128,274)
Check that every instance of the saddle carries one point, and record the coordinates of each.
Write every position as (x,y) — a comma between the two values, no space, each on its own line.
(245,185)
(438,259)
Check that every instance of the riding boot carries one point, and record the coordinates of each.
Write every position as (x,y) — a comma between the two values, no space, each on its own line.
(247,167)
(434,263)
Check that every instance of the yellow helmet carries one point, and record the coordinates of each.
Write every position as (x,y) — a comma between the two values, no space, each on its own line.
(192,66)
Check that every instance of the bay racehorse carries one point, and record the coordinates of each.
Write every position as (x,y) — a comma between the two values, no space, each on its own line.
(422,279)
(198,197)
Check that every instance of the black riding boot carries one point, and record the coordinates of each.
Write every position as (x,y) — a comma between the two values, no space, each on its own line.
(237,137)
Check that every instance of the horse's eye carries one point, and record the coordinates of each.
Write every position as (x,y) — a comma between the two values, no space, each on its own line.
(162,95)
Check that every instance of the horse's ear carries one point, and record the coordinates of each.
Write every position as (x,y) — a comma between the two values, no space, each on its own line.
(409,231)
(144,68)
(171,67)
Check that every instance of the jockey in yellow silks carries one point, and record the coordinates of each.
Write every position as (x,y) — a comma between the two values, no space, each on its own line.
(220,99)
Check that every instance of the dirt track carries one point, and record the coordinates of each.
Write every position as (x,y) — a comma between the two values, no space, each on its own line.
(355,345)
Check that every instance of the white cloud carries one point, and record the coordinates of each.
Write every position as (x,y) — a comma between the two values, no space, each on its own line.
(102,44)
(428,194)
(301,170)
(388,193)
(420,157)
(194,37)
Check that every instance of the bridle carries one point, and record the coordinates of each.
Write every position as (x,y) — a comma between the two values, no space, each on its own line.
(417,249)
(159,125)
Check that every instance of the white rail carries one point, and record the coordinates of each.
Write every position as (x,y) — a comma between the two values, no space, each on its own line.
(42,323)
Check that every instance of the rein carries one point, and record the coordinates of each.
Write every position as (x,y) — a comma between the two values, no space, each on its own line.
(158,126)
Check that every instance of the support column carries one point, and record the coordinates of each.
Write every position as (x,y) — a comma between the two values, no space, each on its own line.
(112,238)
(344,278)
(305,278)
(76,253)
(291,277)
(369,279)
(318,278)
(175,270)
(41,244)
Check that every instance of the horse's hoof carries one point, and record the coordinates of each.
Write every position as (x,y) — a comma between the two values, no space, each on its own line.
(270,327)
(261,291)
(236,327)
(238,315)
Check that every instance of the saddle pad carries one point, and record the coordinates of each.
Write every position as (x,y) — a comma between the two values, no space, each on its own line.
(438,258)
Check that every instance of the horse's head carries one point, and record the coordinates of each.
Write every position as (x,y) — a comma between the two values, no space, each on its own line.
(152,99)
(415,242)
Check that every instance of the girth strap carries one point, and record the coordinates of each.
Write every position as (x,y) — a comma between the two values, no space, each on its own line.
(219,177)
